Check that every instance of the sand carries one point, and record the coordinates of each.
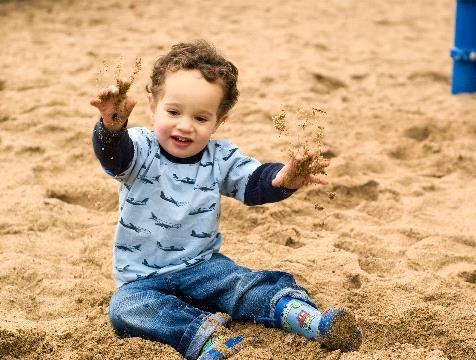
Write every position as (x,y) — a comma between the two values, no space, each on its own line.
(396,245)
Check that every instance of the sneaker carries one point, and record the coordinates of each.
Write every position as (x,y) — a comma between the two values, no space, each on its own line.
(338,329)
(221,350)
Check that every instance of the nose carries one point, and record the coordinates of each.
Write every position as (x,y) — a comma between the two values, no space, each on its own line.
(184,124)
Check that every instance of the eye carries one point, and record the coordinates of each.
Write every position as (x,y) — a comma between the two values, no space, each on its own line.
(201,119)
(173,112)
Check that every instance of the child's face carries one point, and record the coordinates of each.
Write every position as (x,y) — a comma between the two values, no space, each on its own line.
(185,112)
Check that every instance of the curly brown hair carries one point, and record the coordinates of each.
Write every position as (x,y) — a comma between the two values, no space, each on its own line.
(202,56)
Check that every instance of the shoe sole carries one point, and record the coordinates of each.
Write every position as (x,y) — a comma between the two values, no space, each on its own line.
(341,331)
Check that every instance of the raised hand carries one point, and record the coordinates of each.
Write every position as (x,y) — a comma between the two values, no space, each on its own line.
(300,171)
(114,105)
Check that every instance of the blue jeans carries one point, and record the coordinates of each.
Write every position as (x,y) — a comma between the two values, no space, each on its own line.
(180,308)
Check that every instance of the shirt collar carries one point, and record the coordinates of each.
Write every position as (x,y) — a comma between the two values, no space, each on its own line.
(188,160)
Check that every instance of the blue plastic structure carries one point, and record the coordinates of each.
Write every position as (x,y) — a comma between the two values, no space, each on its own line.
(464,50)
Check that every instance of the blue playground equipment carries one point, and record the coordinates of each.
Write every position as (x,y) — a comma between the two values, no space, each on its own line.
(464,50)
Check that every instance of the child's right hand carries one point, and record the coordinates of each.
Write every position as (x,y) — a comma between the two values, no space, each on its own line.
(114,105)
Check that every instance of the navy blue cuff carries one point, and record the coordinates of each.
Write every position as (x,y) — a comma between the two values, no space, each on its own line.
(114,150)
(259,189)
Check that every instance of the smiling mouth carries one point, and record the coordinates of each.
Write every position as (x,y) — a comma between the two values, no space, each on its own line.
(181,139)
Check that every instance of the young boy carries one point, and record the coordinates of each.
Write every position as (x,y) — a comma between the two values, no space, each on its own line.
(172,283)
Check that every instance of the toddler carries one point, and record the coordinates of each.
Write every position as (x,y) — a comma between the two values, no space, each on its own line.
(173,285)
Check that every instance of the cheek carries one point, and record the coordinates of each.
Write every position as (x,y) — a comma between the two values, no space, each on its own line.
(205,134)
(159,126)
(163,127)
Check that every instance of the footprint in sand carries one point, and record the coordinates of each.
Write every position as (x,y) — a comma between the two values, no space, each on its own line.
(325,84)
(459,270)
(418,133)
(429,76)
(373,255)
(409,147)
(449,256)
(30,150)
(89,198)
(347,195)
(356,193)
(328,153)
(23,342)
(468,276)
(287,235)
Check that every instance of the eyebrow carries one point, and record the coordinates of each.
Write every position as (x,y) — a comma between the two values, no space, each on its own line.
(201,111)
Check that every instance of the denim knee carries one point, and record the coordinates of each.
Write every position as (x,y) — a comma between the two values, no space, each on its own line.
(122,324)
(162,317)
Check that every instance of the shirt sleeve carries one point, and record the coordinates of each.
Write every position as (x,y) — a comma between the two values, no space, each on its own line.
(235,169)
(122,153)
(259,189)
(114,150)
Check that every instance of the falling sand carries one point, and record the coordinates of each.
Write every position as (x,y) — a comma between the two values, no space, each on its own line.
(304,134)
(123,87)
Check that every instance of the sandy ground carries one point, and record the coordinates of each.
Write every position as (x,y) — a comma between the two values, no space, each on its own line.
(396,245)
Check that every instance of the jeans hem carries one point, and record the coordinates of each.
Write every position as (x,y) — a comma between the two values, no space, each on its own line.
(198,333)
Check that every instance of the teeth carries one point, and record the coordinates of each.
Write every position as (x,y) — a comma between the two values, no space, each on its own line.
(181,138)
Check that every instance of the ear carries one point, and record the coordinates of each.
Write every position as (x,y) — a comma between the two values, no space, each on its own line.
(219,122)
(152,103)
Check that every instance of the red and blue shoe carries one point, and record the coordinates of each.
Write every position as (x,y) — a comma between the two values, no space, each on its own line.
(338,329)
(216,350)
(333,329)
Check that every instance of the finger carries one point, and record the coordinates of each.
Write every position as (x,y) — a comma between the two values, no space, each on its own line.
(113,89)
(130,103)
(317,180)
(325,163)
(278,180)
(126,81)
(96,102)
(103,93)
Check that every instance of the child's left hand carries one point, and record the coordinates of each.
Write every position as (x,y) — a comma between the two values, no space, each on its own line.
(288,177)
